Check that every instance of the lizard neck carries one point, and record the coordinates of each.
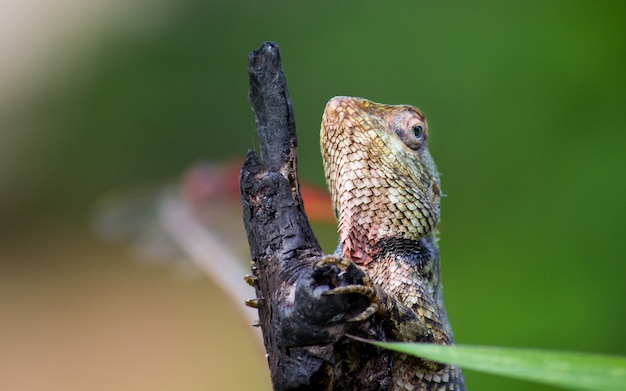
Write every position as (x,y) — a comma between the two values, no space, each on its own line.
(366,226)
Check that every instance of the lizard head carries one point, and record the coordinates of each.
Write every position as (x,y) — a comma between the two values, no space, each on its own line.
(382,179)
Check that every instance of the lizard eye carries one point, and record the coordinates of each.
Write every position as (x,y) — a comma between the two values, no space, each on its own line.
(417,131)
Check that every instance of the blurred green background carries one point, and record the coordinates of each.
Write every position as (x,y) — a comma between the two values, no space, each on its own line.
(525,102)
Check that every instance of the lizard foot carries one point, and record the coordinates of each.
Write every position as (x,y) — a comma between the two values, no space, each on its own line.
(345,278)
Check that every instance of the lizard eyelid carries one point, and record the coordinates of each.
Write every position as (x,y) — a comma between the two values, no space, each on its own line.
(411,130)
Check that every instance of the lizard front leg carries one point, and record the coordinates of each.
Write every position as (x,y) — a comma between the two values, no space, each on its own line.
(400,322)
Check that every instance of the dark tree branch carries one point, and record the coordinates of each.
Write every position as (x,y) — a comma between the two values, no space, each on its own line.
(303,330)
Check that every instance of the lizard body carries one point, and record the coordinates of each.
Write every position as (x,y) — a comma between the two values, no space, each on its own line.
(385,190)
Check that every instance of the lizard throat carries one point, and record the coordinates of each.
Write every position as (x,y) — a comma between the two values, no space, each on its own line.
(364,226)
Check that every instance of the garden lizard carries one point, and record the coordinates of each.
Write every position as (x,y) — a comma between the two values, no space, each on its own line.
(385,189)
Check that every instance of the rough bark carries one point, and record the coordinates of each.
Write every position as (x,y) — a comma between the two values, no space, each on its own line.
(303,330)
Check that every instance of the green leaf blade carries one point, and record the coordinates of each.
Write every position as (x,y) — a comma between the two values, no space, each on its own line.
(571,370)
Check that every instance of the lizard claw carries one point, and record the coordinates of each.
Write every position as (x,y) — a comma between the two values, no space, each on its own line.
(349,279)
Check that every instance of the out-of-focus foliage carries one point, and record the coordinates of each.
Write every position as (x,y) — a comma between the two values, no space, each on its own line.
(525,102)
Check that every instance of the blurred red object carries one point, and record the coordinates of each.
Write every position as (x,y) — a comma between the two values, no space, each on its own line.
(205,184)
